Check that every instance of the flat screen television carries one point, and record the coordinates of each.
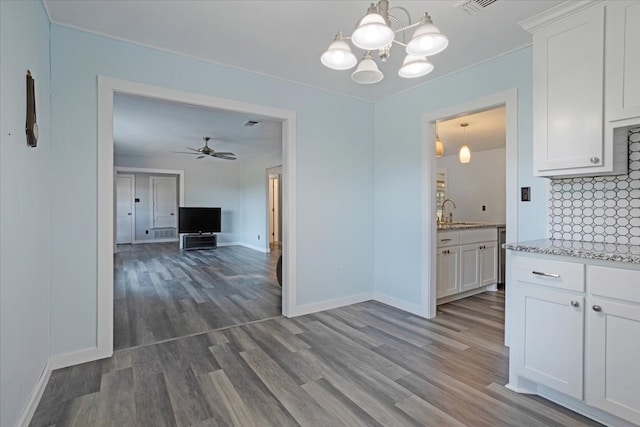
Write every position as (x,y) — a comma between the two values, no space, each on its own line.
(199,220)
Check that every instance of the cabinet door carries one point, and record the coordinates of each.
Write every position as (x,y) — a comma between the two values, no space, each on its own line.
(568,58)
(613,376)
(489,263)
(547,346)
(623,60)
(448,271)
(469,267)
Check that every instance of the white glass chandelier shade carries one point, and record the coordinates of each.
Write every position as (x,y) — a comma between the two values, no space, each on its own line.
(372,33)
(427,40)
(415,66)
(339,55)
(367,72)
(465,154)
(439,147)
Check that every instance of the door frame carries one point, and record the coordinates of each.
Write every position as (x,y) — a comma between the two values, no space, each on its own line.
(107,88)
(133,207)
(507,98)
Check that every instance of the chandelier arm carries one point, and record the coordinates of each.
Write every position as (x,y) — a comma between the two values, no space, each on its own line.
(397,21)
(400,43)
(408,27)
(404,10)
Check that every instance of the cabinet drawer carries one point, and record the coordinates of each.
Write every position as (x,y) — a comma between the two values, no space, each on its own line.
(478,235)
(557,274)
(614,283)
(448,238)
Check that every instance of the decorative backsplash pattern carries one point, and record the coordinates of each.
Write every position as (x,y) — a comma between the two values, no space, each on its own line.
(603,209)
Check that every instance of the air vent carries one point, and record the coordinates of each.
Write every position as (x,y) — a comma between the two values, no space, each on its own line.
(474,6)
(251,123)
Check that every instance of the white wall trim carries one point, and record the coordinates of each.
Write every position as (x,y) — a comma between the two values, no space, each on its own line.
(142,242)
(107,87)
(301,310)
(36,395)
(509,99)
(417,309)
(75,358)
(133,206)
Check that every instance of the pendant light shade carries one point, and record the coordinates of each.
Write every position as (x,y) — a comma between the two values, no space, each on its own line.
(367,72)
(372,33)
(339,55)
(465,153)
(415,66)
(427,40)
(439,147)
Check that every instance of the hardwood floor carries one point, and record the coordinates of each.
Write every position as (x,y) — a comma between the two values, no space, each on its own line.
(162,293)
(363,365)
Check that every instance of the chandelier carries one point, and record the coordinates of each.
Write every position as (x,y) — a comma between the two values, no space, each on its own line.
(374,32)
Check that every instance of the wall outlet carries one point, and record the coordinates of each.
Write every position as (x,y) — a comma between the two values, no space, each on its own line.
(525,194)
(484,207)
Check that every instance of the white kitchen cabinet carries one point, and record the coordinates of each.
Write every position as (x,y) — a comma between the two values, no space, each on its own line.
(569,94)
(547,346)
(467,260)
(622,54)
(613,342)
(448,271)
(575,329)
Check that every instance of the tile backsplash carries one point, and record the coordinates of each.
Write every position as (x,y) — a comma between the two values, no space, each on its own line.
(599,209)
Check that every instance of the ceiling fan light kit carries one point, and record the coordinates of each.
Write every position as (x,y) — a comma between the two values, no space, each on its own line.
(374,32)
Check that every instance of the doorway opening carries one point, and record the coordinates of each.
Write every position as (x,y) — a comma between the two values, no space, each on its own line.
(107,88)
(274,207)
(508,100)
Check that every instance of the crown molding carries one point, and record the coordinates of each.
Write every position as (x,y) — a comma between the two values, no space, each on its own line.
(556,13)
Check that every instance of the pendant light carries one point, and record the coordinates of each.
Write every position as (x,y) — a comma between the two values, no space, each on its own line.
(339,55)
(415,66)
(373,32)
(465,153)
(427,40)
(439,147)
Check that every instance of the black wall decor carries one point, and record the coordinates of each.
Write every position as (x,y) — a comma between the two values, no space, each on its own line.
(31,126)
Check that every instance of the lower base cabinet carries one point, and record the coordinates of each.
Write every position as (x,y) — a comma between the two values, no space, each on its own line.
(578,336)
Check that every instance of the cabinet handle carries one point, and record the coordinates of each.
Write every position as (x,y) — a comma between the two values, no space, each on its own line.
(540,273)
(595,160)
(597,308)
(445,240)
(446,251)
(575,303)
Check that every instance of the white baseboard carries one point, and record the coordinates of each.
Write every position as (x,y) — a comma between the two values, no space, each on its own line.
(36,395)
(140,242)
(416,309)
(301,310)
(75,358)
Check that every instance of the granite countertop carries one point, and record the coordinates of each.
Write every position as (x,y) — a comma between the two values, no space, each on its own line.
(465,225)
(588,250)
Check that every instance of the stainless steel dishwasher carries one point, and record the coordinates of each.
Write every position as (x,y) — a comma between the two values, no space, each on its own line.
(502,238)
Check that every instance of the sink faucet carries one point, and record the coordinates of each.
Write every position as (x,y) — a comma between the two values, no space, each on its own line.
(444,216)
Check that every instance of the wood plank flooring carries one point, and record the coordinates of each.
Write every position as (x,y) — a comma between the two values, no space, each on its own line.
(162,293)
(363,365)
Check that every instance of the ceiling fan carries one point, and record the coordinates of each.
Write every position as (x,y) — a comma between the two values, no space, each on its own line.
(207,151)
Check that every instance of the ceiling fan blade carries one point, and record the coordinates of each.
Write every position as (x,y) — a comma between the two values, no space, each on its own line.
(183,152)
(201,157)
(193,149)
(225,153)
(219,156)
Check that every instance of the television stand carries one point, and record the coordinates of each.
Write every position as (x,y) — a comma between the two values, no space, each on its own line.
(191,242)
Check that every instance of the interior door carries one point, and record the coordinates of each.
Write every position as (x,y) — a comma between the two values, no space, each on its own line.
(165,202)
(124,209)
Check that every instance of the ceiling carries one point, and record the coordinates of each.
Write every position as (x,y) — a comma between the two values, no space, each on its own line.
(143,126)
(285,39)
(486,131)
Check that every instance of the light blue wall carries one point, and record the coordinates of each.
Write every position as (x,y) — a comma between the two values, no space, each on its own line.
(253,193)
(25,217)
(334,164)
(398,191)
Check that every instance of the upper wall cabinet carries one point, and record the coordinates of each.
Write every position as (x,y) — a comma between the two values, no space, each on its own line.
(585,77)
